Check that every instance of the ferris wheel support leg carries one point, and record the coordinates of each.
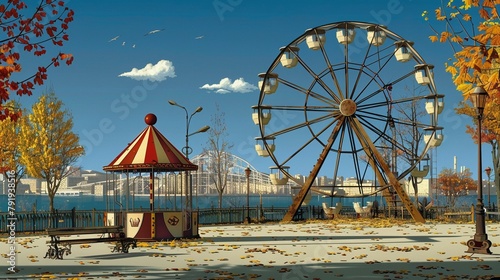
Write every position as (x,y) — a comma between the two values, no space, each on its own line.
(299,198)
(368,144)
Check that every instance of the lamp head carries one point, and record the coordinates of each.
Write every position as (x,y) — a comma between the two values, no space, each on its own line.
(478,97)
(248,171)
(171,102)
(488,171)
(204,129)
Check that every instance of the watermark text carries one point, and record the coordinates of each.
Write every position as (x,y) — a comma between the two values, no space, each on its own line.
(11,219)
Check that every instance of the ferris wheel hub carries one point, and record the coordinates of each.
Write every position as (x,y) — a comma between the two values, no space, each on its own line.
(347,107)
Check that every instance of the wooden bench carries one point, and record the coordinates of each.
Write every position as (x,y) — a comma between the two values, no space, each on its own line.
(463,214)
(460,215)
(59,246)
(493,213)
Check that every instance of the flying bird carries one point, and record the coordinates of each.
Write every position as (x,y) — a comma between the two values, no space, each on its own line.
(199,37)
(113,39)
(154,31)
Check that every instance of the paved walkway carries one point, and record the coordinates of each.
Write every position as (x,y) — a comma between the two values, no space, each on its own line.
(354,249)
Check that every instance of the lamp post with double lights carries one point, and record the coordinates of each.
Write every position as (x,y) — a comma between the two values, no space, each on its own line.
(480,243)
(488,173)
(187,150)
(248,171)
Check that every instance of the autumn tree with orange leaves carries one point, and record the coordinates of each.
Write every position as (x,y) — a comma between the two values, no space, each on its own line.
(454,185)
(25,33)
(472,29)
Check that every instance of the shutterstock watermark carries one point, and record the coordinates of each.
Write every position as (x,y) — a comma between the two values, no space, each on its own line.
(11,221)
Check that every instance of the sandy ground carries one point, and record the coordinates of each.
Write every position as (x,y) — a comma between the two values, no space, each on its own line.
(337,249)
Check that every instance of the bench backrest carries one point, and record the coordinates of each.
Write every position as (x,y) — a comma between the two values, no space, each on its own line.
(84,230)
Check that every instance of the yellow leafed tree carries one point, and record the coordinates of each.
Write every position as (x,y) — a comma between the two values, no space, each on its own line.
(472,29)
(9,144)
(48,144)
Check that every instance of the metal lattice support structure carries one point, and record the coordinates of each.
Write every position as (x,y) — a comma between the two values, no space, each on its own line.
(259,181)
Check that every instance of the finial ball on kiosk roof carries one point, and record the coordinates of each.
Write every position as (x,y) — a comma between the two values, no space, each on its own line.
(150,119)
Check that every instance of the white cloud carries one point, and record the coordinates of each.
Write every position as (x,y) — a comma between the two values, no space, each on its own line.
(227,86)
(162,70)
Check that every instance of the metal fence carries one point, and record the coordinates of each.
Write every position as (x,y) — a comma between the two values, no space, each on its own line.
(38,221)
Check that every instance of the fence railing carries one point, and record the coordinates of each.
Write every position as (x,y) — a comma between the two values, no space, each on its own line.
(40,220)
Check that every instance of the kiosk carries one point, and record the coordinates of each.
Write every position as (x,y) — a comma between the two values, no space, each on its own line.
(151,153)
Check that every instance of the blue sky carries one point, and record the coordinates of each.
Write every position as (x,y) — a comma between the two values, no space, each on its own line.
(202,47)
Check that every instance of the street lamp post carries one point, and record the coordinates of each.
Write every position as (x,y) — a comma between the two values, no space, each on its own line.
(248,171)
(480,243)
(488,173)
(187,150)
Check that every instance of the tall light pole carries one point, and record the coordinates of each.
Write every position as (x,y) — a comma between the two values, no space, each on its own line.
(248,171)
(187,150)
(480,243)
(488,173)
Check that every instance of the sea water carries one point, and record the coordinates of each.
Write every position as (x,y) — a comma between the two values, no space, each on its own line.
(29,202)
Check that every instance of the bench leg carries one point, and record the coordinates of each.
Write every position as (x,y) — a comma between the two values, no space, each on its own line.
(124,245)
(55,252)
(64,251)
(117,248)
(51,252)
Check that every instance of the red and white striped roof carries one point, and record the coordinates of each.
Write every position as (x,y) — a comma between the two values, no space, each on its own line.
(150,150)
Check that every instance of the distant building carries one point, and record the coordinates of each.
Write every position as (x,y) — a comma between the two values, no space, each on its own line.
(90,182)
(34,185)
(424,188)
(351,186)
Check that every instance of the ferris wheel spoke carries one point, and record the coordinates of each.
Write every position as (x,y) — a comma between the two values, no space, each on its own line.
(302,125)
(346,70)
(317,78)
(327,109)
(380,60)
(387,103)
(367,69)
(410,99)
(374,158)
(337,159)
(305,91)
(331,70)
(314,137)
(363,65)
(386,86)
(396,144)
(300,149)
(334,78)
(324,109)
(363,176)
(373,116)
(354,149)
(410,123)
(380,90)
(368,157)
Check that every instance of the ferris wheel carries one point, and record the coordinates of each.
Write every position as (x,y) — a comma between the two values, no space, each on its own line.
(352,100)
